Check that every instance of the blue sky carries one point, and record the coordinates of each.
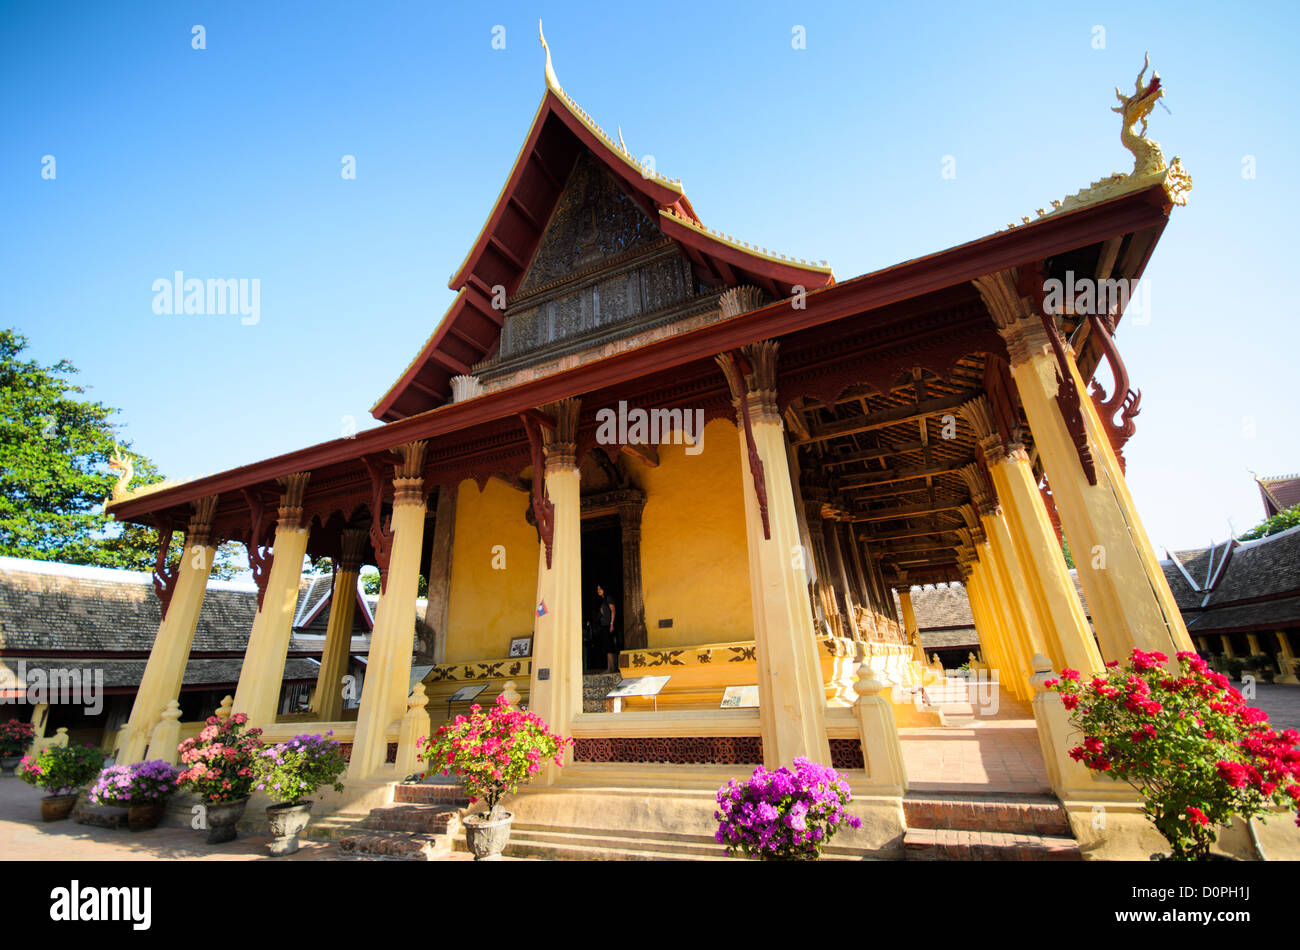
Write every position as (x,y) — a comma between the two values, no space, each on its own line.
(225,162)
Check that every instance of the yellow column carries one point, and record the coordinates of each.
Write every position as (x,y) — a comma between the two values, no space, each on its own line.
(388,667)
(262,674)
(1252,640)
(790,694)
(1227,645)
(990,628)
(1009,580)
(328,700)
(1128,595)
(909,616)
(556,685)
(1286,663)
(555,689)
(165,670)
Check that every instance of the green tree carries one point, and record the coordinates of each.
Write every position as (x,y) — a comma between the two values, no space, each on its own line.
(370,584)
(1065,551)
(55,475)
(1287,518)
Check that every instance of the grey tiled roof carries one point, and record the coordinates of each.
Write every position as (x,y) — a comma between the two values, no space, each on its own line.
(1259,587)
(198,672)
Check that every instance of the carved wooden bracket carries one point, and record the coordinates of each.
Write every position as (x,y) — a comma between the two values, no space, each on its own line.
(736,366)
(164,577)
(1067,394)
(543,508)
(259,558)
(381,536)
(1126,400)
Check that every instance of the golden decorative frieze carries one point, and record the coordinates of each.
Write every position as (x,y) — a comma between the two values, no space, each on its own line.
(199,530)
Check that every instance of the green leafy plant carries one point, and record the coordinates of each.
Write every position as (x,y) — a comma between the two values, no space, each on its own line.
(1186,741)
(62,770)
(291,771)
(1287,518)
(493,751)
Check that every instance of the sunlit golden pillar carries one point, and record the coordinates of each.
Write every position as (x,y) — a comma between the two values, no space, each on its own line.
(262,673)
(556,684)
(1127,592)
(791,696)
(388,666)
(165,670)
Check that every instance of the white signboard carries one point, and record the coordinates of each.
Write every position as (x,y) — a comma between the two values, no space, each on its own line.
(466,693)
(641,686)
(740,697)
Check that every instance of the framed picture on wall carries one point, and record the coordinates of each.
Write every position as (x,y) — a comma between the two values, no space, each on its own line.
(521,646)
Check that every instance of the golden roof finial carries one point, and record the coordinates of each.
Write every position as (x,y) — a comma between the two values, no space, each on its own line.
(551,81)
(620,139)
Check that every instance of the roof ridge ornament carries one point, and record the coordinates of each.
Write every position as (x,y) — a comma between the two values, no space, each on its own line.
(1149,166)
(551,81)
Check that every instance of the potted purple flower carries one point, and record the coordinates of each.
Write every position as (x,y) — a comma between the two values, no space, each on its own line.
(141,788)
(785,815)
(291,771)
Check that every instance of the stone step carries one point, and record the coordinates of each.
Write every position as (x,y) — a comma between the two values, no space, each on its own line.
(1007,814)
(376,845)
(423,819)
(571,846)
(332,827)
(943,844)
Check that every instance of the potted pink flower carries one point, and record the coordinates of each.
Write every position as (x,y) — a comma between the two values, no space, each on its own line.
(493,752)
(15,737)
(219,770)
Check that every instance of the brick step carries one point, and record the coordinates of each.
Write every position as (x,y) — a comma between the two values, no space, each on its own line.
(939,844)
(431,794)
(423,819)
(376,845)
(1007,814)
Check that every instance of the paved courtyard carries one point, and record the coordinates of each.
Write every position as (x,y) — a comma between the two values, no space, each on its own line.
(981,752)
(25,837)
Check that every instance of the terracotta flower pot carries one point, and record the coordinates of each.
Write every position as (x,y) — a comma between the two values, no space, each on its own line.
(286,820)
(222,819)
(145,815)
(487,839)
(57,807)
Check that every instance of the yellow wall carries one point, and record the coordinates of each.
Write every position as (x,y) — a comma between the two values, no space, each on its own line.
(488,607)
(694,555)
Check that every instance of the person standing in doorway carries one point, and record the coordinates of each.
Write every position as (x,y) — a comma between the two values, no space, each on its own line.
(605,629)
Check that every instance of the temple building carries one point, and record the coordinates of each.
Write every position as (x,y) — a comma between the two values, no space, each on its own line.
(747,453)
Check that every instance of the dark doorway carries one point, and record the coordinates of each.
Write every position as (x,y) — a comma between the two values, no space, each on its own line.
(602,564)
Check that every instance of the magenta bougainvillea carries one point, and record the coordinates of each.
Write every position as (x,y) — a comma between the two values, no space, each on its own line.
(785,814)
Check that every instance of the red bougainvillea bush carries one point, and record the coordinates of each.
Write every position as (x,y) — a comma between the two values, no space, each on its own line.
(1187,741)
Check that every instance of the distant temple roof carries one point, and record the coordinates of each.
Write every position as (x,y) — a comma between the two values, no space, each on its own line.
(1238,586)
(95,618)
(1279,493)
